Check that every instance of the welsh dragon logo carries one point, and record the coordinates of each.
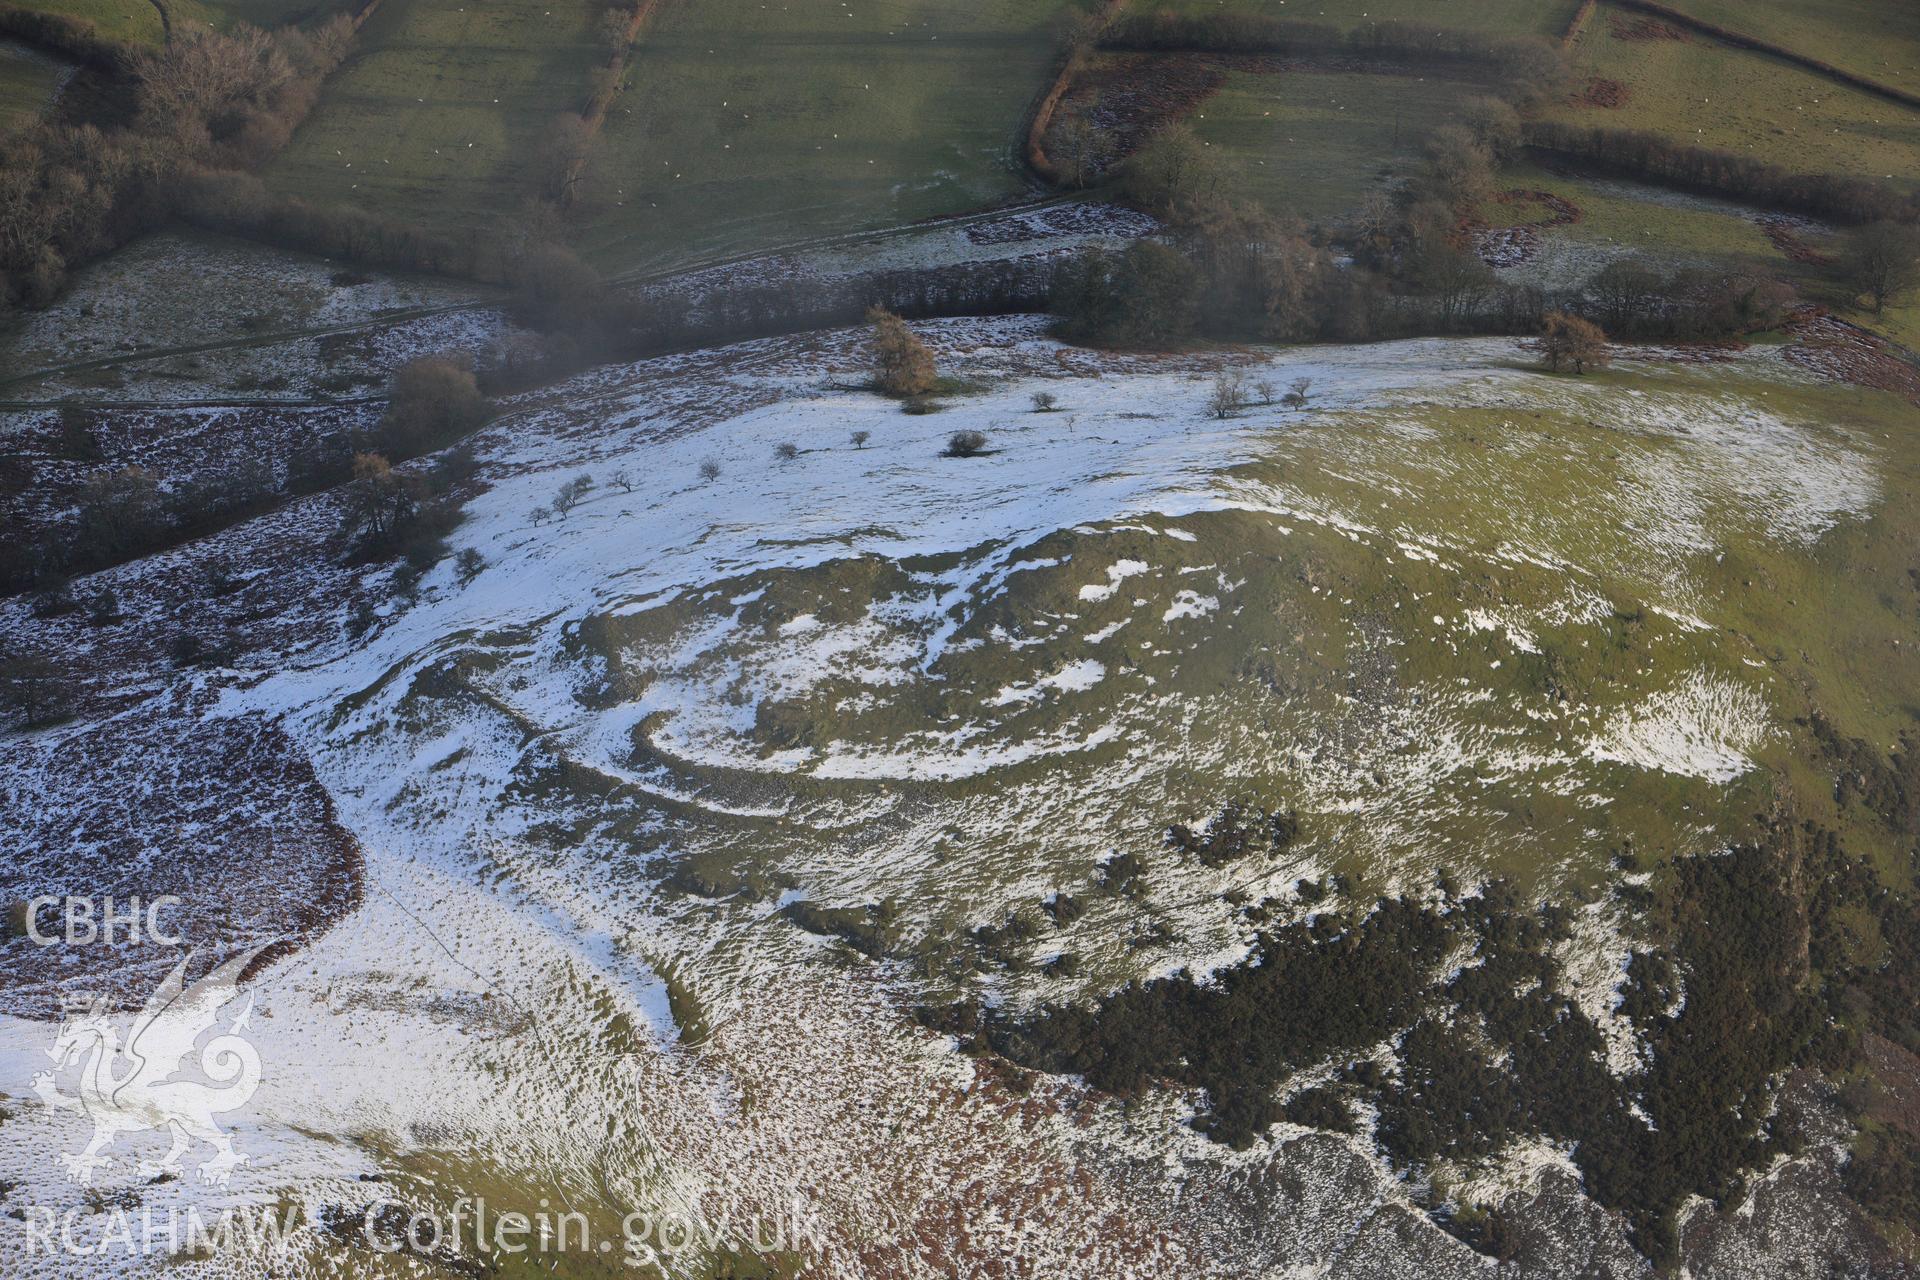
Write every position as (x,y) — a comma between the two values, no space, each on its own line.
(134,1077)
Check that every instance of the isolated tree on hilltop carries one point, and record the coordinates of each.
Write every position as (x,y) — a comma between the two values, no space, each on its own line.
(1882,261)
(902,364)
(1569,342)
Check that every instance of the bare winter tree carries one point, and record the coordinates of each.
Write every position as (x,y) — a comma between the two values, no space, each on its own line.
(1080,149)
(33,689)
(572,494)
(1229,394)
(1882,261)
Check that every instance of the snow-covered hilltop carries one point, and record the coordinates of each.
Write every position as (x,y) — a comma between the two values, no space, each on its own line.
(618,855)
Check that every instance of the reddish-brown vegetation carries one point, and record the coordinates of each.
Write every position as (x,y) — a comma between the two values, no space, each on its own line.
(1601,92)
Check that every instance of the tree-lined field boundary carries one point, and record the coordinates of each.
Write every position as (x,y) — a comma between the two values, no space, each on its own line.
(1040,120)
(1659,160)
(1578,23)
(72,39)
(600,97)
(606,83)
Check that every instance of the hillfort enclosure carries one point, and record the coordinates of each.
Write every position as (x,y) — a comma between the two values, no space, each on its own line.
(903,638)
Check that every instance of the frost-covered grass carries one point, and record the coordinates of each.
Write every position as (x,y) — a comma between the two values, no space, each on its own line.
(214,313)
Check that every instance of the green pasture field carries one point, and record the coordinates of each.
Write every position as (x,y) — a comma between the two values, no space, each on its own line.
(1503,17)
(1872,38)
(1709,95)
(436,117)
(1313,143)
(134,21)
(27,80)
(745,124)
(138,22)
(279,13)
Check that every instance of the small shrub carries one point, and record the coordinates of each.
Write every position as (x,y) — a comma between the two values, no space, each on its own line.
(362,620)
(1044,402)
(468,564)
(221,580)
(103,607)
(966,444)
(860,439)
(455,467)
(786,451)
(921,405)
(709,470)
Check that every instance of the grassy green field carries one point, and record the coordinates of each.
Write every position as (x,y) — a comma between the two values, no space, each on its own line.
(1871,38)
(134,21)
(1506,17)
(745,124)
(437,116)
(1313,143)
(1710,95)
(27,81)
(138,22)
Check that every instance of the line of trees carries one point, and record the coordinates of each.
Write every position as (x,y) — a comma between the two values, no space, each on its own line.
(1529,65)
(1655,158)
(239,203)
